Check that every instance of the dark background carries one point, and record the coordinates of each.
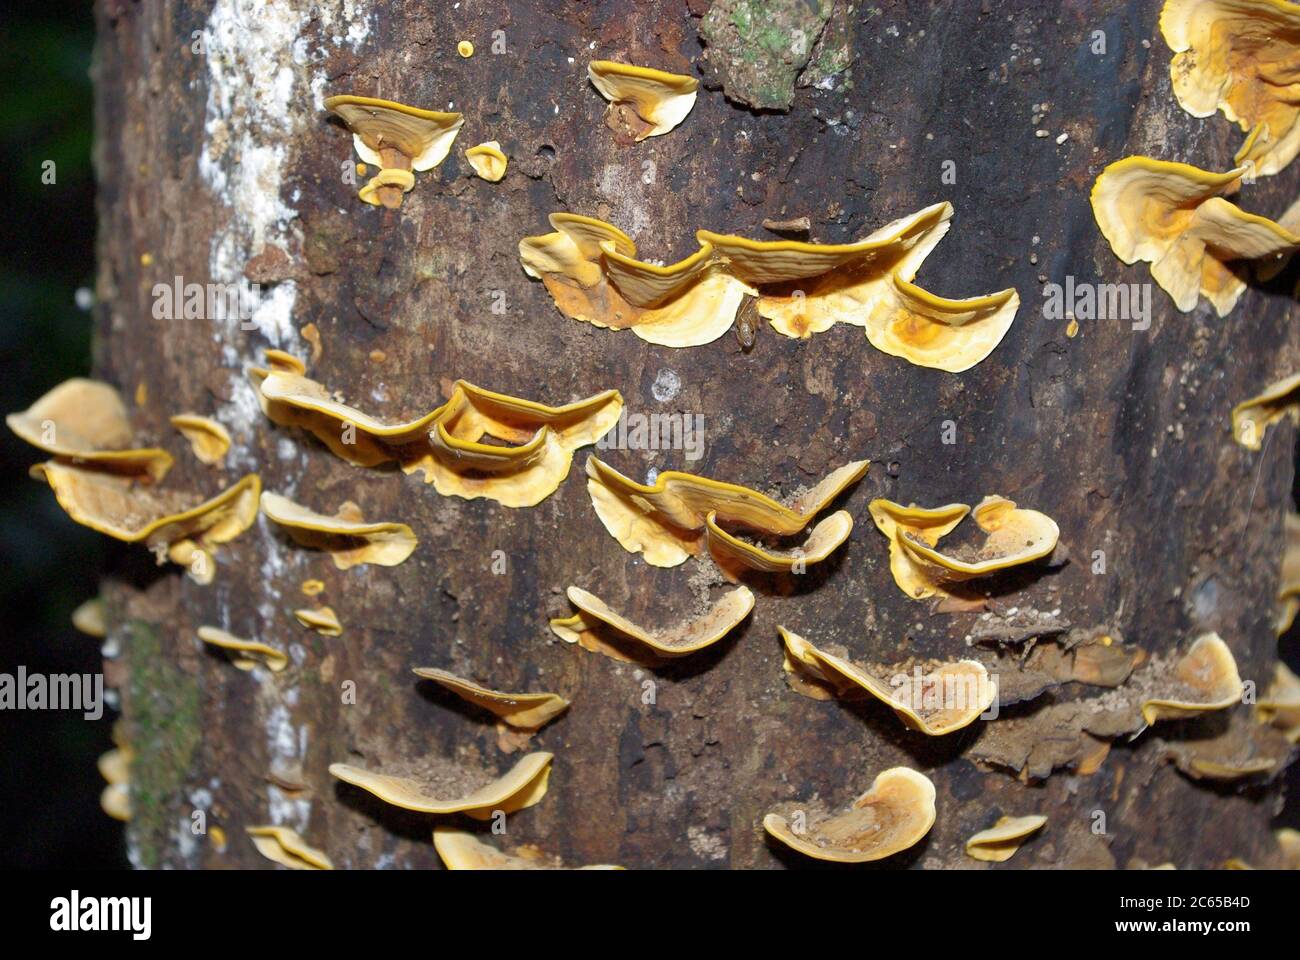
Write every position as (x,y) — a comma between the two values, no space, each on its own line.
(49,786)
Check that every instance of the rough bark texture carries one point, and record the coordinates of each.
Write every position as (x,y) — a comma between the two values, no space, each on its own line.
(206,159)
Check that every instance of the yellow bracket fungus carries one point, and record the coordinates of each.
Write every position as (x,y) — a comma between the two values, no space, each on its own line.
(90,619)
(1207,679)
(1241,57)
(895,814)
(321,619)
(488,161)
(285,847)
(313,588)
(1000,842)
(462,850)
(169,523)
(1251,418)
(449,445)
(1288,587)
(590,270)
(948,698)
(348,538)
(397,139)
(244,654)
(1280,705)
(209,440)
(523,711)
(668,522)
(921,569)
(84,422)
(1170,215)
(587,628)
(524,785)
(643,102)
(115,767)
(733,553)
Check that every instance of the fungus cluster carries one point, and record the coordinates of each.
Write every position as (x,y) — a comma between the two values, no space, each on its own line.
(590,269)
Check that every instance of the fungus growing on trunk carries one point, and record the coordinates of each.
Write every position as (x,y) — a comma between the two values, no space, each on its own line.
(643,102)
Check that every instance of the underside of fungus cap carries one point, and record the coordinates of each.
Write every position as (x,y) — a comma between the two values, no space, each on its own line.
(85,422)
(588,628)
(209,440)
(348,538)
(524,711)
(1014,536)
(1000,842)
(171,523)
(948,697)
(462,850)
(659,100)
(488,161)
(894,815)
(522,786)
(921,524)
(423,136)
(284,846)
(1204,679)
(1241,57)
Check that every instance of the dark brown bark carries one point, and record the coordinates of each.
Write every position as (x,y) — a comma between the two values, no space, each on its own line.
(1121,436)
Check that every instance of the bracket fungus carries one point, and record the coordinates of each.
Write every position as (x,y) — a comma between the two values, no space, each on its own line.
(522,786)
(946,698)
(1280,705)
(922,569)
(170,523)
(84,423)
(346,536)
(397,139)
(462,850)
(284,846)
(1000,842)
(588,628)
(522,711)
(321,619)
(643,102)
(1251,418)
(591,272)
(244,654)
(487,160)
(1241,57)
(669,521)
(734,553)
(115,767)
(1206,678)
(1171,216)
(477,444)
(894,815)
(209,440)
(1288,586)
(90,618)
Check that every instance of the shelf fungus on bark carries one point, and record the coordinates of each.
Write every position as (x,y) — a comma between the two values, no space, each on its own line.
(1241,57)
(921,568)
(643,102)
(669,521)
(734,553)
(1205,679)
(462,850)
(244,654)
(346,536)
(477,444)
(474,793)
(397,139)
(209,440)
(84,423)
(894,815)
(591,272)
(600,629)
(321,619)
(1288,585)
(943,699)
(1251,418)
(487,161)
(1169,215)
(999,843)
(284,846)
(1240,750)
(90,618)
(173,524)
(115,767)
(1279,707)
(526,712)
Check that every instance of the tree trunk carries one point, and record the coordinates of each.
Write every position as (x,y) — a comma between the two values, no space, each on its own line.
(217,163)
